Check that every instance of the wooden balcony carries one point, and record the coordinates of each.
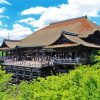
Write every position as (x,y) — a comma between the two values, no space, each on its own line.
(2,58)
(45,63)
(68,61)
(34,64)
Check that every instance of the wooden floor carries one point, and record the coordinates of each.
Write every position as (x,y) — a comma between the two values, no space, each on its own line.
(33,64)
(28,70)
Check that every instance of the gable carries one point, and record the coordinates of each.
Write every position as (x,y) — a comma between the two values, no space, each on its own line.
(94,38)
(62,40)
(3,45)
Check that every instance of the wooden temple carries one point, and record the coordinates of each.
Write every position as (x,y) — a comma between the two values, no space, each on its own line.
(54,48)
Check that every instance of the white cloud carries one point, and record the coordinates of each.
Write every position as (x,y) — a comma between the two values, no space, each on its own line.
(2,9)
(5,2)
(18,32)
(27,20)
(3,33)
(36,10)
(3,25)
(1,16)
(74,8)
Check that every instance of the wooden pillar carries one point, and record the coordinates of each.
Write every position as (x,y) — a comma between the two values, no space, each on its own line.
(66,54)
(2,53)
(5,53)
(61,54)
(51,54)
(57,54)
(37,55)
(10,53)
(39,73)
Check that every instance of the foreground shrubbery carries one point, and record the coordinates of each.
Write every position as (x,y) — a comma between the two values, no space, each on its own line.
(4,86)
(83,83)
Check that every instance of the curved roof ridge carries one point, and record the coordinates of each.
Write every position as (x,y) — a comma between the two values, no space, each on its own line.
(51,33)
(91,24)
(94,25)
(68,20)
(79,41)
(9,44)
(9,40)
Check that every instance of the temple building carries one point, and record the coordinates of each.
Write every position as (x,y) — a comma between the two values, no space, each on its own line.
(53,48)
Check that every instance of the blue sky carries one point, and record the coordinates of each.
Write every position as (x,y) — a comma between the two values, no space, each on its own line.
(19,18)
(13,10)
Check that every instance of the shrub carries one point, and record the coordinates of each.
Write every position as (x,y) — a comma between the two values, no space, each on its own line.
(83,83)
(4,83)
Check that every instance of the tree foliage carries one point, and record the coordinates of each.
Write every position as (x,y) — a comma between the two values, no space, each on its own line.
(4,83)
(83,83)
(95,57)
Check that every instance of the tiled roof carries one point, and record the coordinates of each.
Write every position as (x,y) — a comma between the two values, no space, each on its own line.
(82,27)
(10,43)
(61,45)
(49,34)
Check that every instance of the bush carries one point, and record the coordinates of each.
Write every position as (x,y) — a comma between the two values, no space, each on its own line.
(95,57)
(83,83)
(4,83)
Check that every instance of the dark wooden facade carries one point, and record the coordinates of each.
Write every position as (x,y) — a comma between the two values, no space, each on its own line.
(29,63)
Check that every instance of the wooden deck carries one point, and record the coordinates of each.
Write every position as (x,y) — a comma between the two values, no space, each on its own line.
(34,64)
(40,64)
(27,70)
(69,61)
(2,58)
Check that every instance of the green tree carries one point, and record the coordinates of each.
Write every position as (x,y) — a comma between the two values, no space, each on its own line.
(83,83)
(95,57)
(4,83)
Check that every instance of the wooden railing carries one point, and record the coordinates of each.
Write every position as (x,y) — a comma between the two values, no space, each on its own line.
(2,58)
(69,61)
(36,64)
(53,61)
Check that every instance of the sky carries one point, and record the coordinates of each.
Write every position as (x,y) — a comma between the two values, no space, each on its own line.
(20,18)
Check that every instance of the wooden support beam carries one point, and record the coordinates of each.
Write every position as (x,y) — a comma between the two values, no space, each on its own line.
(2,53)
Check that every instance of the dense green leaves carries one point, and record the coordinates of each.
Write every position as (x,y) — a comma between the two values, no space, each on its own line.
(4,84)
(83,83)
(95,57)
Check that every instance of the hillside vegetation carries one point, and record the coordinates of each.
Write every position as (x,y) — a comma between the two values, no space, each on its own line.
(83,83)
